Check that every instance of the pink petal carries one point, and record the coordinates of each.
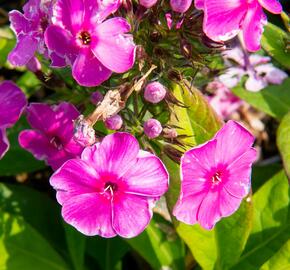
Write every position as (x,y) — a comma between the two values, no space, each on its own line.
(57,61)
(148,176)
(272,6)
(61,42)
(253,26)
(113,48)
(88,70)
(199,4)
(131,214)
(273,75)
(12,101)
(105,8)
(74,178)
(239,183)
(59,158)
(90,213)
(233,140)
(228,203)
(4,143)
(187,207)
(33,65)
(37,143)
(255,82)
(25,48)
(180,6)
(19,23)
(223,19)
(117,153)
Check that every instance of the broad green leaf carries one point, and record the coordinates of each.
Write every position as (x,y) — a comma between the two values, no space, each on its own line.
(107,252)
(283,139)
(274,41)
(18,160)
(76,243)
(22,247)
(273,100)
(159,246)
(271,225)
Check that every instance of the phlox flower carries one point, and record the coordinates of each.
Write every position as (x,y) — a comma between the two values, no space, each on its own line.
(223,100)
(224,19)
(112,189)
(92,46)
(51,138)
(259,69)
(12,102)
(215,176)
(29,28)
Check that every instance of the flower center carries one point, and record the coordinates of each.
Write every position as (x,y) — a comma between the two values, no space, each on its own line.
(56,142)
(85,38)
(110,187)
(216,178)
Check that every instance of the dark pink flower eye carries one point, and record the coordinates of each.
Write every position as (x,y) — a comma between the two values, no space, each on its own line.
(85,37)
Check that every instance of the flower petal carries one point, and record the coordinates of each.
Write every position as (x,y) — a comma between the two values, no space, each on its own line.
(199,4)
(228,204)
(105,8)
(113,48)
(239,182)
(90,213)
(88,70)
(19,23)
(131,214)
(13,102)
(272,6)
(74,178)
(253,26)
(255,83)
(148,176)
(233,140)
(223,19)
(4,143)
(25,48)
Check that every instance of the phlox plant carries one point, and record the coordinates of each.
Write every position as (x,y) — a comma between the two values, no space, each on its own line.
(144,134)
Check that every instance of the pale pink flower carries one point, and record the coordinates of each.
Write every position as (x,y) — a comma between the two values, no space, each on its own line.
(12,102)
(112,189)
(215,176)
(51,138)
(224,19)
(258,68)
(92,46)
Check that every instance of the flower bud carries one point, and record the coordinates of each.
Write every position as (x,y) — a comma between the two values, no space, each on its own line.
(84,134)
(96,97)
(147,3)
(152,128)
(180,6)
(114,122)
(154,92)
(170,133)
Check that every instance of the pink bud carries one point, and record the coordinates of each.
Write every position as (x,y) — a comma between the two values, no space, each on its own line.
(180,6)
(96,97)
(154,92)
(170,133)
(147,3)
(152,128)
(114,122)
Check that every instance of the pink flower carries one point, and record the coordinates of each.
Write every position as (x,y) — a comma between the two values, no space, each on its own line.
(12,102)
(93,47)
(29,29)
(52,137)
(224,19)
(152,128)
(112,189)
(180,6)
(223,100)
(215,177)
(258,68)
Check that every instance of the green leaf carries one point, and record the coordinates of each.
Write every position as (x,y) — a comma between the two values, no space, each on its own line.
(107,252)
(273,100)
(18,160)
(274,41)
(22,247)
(7,42)
(159,246)
(283,139)
(76,243)
(271,225)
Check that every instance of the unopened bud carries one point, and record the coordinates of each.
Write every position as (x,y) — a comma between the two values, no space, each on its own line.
(180,6)
(170,133)
(152,128)
(154,92)
(84,134)
(96,97)
(114,122)
(147,3)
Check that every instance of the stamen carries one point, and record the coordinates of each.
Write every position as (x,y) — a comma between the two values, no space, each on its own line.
(112,187)
(85,37)
(56,142)
(216,178)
